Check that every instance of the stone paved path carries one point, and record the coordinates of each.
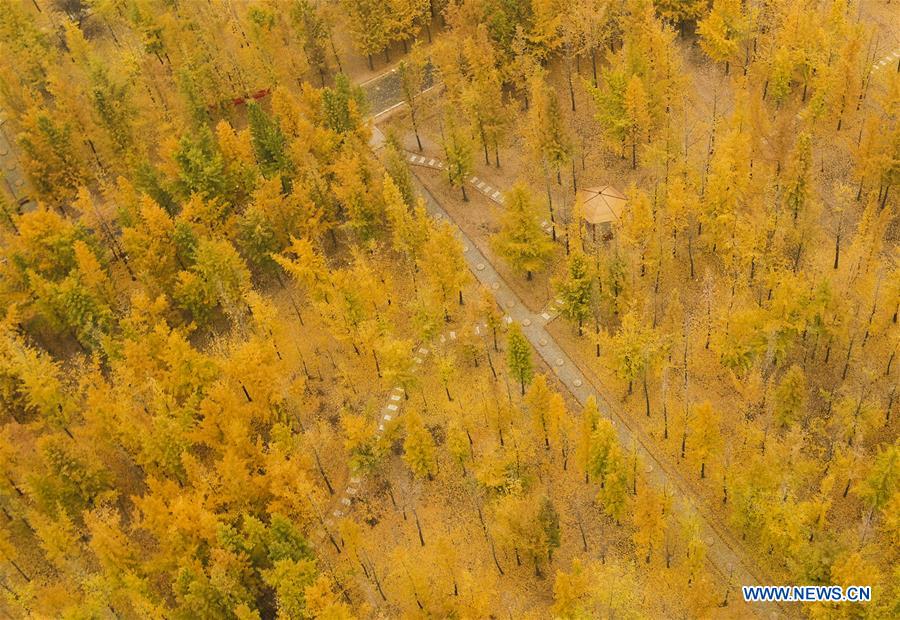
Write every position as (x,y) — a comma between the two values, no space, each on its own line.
(890,59)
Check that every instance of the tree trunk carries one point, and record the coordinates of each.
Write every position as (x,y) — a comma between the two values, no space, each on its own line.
(418,527)
(571,86)
(416,129)
(646,394)
(322,472)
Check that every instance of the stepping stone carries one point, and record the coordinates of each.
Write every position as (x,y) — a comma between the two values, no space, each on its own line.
(395,397)
(452,335)
(526,322)
(398,388)
(418,360)
(438,216)
(431,163)
(480,266)
(346,501)
(544,223)
(559,302)
(380,428)
(423,351)
(352,490)
(577,383)
(477,331)
(338,514)
(508,319)
(387,417)
(480,184)
(559,361)
(355,480)
(546,316)
(412,158)
(421,160)
(495,285)
(392,407)
(473,180)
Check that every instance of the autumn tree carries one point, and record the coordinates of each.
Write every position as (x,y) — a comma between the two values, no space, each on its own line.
(412,82)
(419,448)
(575,288)
(706,434)
(547,134)
(518,356)
(637,351)
(521,241)
(458,151)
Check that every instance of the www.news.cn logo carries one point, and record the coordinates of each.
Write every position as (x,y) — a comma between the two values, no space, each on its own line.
(807,594)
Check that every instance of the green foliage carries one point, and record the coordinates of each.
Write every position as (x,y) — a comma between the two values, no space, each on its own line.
(257,239)
(881,483)
(575,288)
(518,356)
(790,397)
(268,142)
(521,241)
(419,448)
(113,109)
(458,150)
(51,159)
(201,167)
(344,105)
(217,278)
